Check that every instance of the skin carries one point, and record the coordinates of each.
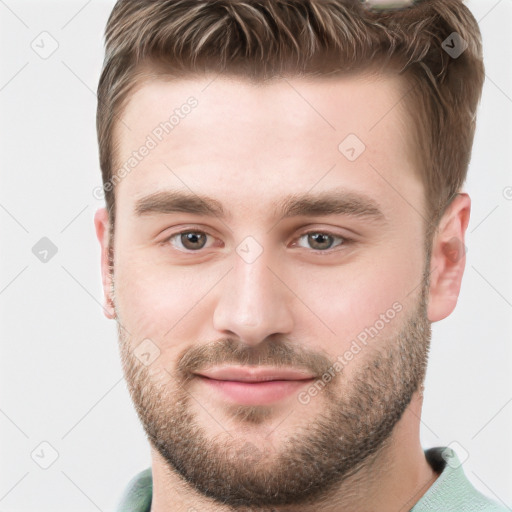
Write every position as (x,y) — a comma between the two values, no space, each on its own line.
(248,146)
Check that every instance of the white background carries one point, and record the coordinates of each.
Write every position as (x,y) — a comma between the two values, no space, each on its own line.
(60,376)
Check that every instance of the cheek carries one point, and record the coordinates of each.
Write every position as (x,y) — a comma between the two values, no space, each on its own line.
(331,304)
(370,296)
(161,302)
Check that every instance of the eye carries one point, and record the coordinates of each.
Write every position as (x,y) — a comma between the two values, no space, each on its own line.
(188,240)
(322,241)
(195,240)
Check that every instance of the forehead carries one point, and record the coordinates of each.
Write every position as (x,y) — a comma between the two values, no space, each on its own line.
(236,140)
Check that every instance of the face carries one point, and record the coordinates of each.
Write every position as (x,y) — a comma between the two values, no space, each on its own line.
(274,233)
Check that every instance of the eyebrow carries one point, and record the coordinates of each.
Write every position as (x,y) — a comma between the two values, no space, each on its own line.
(331,202)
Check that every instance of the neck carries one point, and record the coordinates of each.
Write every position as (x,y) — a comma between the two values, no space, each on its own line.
(392,480)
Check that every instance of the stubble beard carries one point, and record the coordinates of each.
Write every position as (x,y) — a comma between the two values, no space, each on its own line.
(304,468)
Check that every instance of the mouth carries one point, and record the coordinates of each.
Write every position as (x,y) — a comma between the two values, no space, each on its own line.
(254,385)
(255,373)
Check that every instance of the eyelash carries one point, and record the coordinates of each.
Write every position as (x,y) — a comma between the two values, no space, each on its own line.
(345,240)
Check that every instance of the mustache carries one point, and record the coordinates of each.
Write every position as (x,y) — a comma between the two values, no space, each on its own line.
(272,353)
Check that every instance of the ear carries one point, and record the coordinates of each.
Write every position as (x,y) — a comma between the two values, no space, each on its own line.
(101,224)
(448,258)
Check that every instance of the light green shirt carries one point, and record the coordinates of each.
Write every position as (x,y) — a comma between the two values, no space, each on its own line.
(451,492)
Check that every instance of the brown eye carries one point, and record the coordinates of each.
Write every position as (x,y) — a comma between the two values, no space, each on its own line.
(189,240)
(322,241)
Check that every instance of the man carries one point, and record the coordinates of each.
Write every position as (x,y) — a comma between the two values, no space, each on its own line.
(314,152)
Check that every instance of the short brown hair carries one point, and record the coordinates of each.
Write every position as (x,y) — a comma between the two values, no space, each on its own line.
(262,39)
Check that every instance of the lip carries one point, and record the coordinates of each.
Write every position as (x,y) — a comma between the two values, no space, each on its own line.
(255,374)
(254,386)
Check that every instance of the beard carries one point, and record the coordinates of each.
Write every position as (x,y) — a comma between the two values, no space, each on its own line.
(354,427)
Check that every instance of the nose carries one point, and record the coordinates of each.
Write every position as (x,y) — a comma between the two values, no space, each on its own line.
(255,302)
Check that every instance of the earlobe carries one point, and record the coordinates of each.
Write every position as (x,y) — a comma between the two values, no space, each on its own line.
(448,259)
(101,224)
